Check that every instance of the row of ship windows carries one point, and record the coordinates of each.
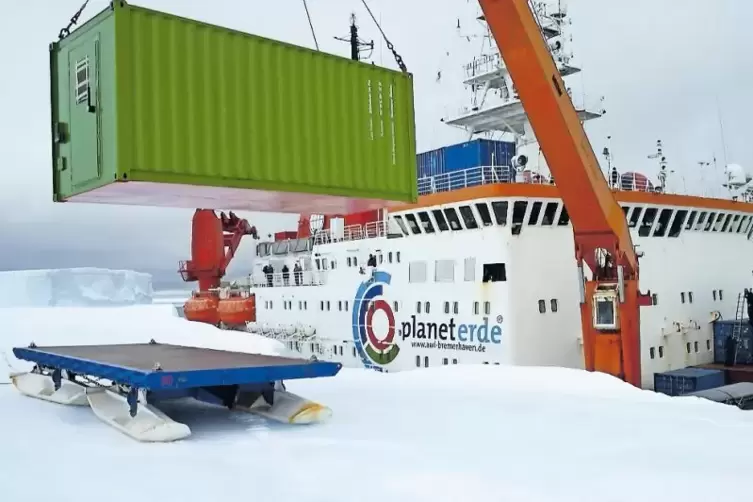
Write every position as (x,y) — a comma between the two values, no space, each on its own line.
(669,221)
(654,352)
(467,217)
(425,307)
(689,347)
(421,307)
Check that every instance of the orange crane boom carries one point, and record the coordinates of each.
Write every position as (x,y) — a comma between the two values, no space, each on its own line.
(610,300)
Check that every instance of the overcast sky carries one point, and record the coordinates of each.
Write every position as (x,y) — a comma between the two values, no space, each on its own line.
(668,69)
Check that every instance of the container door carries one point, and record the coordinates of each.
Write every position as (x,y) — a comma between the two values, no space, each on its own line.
(85,156)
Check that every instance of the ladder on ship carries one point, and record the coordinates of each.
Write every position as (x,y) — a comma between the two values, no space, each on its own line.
(737,328)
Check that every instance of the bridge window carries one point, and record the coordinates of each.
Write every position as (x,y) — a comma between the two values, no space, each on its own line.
(354,351)
(721,297)
(661,225)
(500,212)
(389,257)
(397,256)
(726,222)
(709,222)
(542,307)
(648,221)
(475,308)
(690,297)
(350,261)
(439,218)
(412,224)
(468,218)
(708,344)
(700,221)
(483,211)
(745,226)
(454,307)
(750,231)
(676,227)
(487,308)
(695,347)
(426,361)
(718,224)
(682,296)
(396,305)
(518,214)
(739,226)
(418,307)
(340,305)
(399,220)
(494,272)
(553,305)
(446,307)
(652,352)
(735,227)
(687,347)
(564,218)
(426,222)
(691,220)
(635,217)
(452,218)
(444,361)
(549,213)
(418,361)
(535,212)
(454,361)
(661,351)
(327,304)
(427,307)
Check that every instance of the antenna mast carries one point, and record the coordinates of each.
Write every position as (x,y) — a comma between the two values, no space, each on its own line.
(356,44)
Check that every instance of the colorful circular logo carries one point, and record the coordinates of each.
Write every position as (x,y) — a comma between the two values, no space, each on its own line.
(374,348)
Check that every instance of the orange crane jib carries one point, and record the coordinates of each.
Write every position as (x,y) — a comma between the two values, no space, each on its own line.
(610,301)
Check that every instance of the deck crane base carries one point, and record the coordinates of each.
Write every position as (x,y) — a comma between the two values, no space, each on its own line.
(123,384)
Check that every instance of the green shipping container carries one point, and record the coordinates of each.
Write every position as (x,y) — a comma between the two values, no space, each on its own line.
(152,109)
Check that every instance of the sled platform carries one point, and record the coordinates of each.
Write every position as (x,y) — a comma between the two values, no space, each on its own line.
(123,384)
(157,366)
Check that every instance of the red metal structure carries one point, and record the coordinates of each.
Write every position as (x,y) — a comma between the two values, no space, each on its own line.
(214,241)
(610,299)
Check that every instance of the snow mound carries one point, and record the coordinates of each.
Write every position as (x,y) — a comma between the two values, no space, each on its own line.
(90,287)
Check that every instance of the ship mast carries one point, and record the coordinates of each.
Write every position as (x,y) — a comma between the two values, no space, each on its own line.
(495,106)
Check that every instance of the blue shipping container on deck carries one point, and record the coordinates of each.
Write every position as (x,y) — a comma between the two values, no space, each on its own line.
(430,163)
(722,331)
(687,380)
(478,152)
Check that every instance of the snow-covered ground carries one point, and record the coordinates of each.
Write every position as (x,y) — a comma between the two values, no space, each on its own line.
(462,433)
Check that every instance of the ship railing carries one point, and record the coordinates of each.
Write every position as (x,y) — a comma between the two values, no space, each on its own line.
(354,232)
(475,176)
(486,175)
(291,279)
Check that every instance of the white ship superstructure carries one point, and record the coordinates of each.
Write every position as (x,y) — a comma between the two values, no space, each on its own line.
(482,269)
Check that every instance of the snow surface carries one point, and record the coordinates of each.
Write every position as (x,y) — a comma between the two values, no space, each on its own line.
(74,287)
(462,433)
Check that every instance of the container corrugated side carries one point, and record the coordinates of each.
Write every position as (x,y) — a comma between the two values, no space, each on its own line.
(207,105)
(462,156)
(722,331)
(687,380)
(431,163)
(496,153)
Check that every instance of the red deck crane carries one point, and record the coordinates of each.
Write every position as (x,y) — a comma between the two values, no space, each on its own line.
(214,241)
(610,300)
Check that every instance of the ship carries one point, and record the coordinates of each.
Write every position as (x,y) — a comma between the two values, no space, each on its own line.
(481,270)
